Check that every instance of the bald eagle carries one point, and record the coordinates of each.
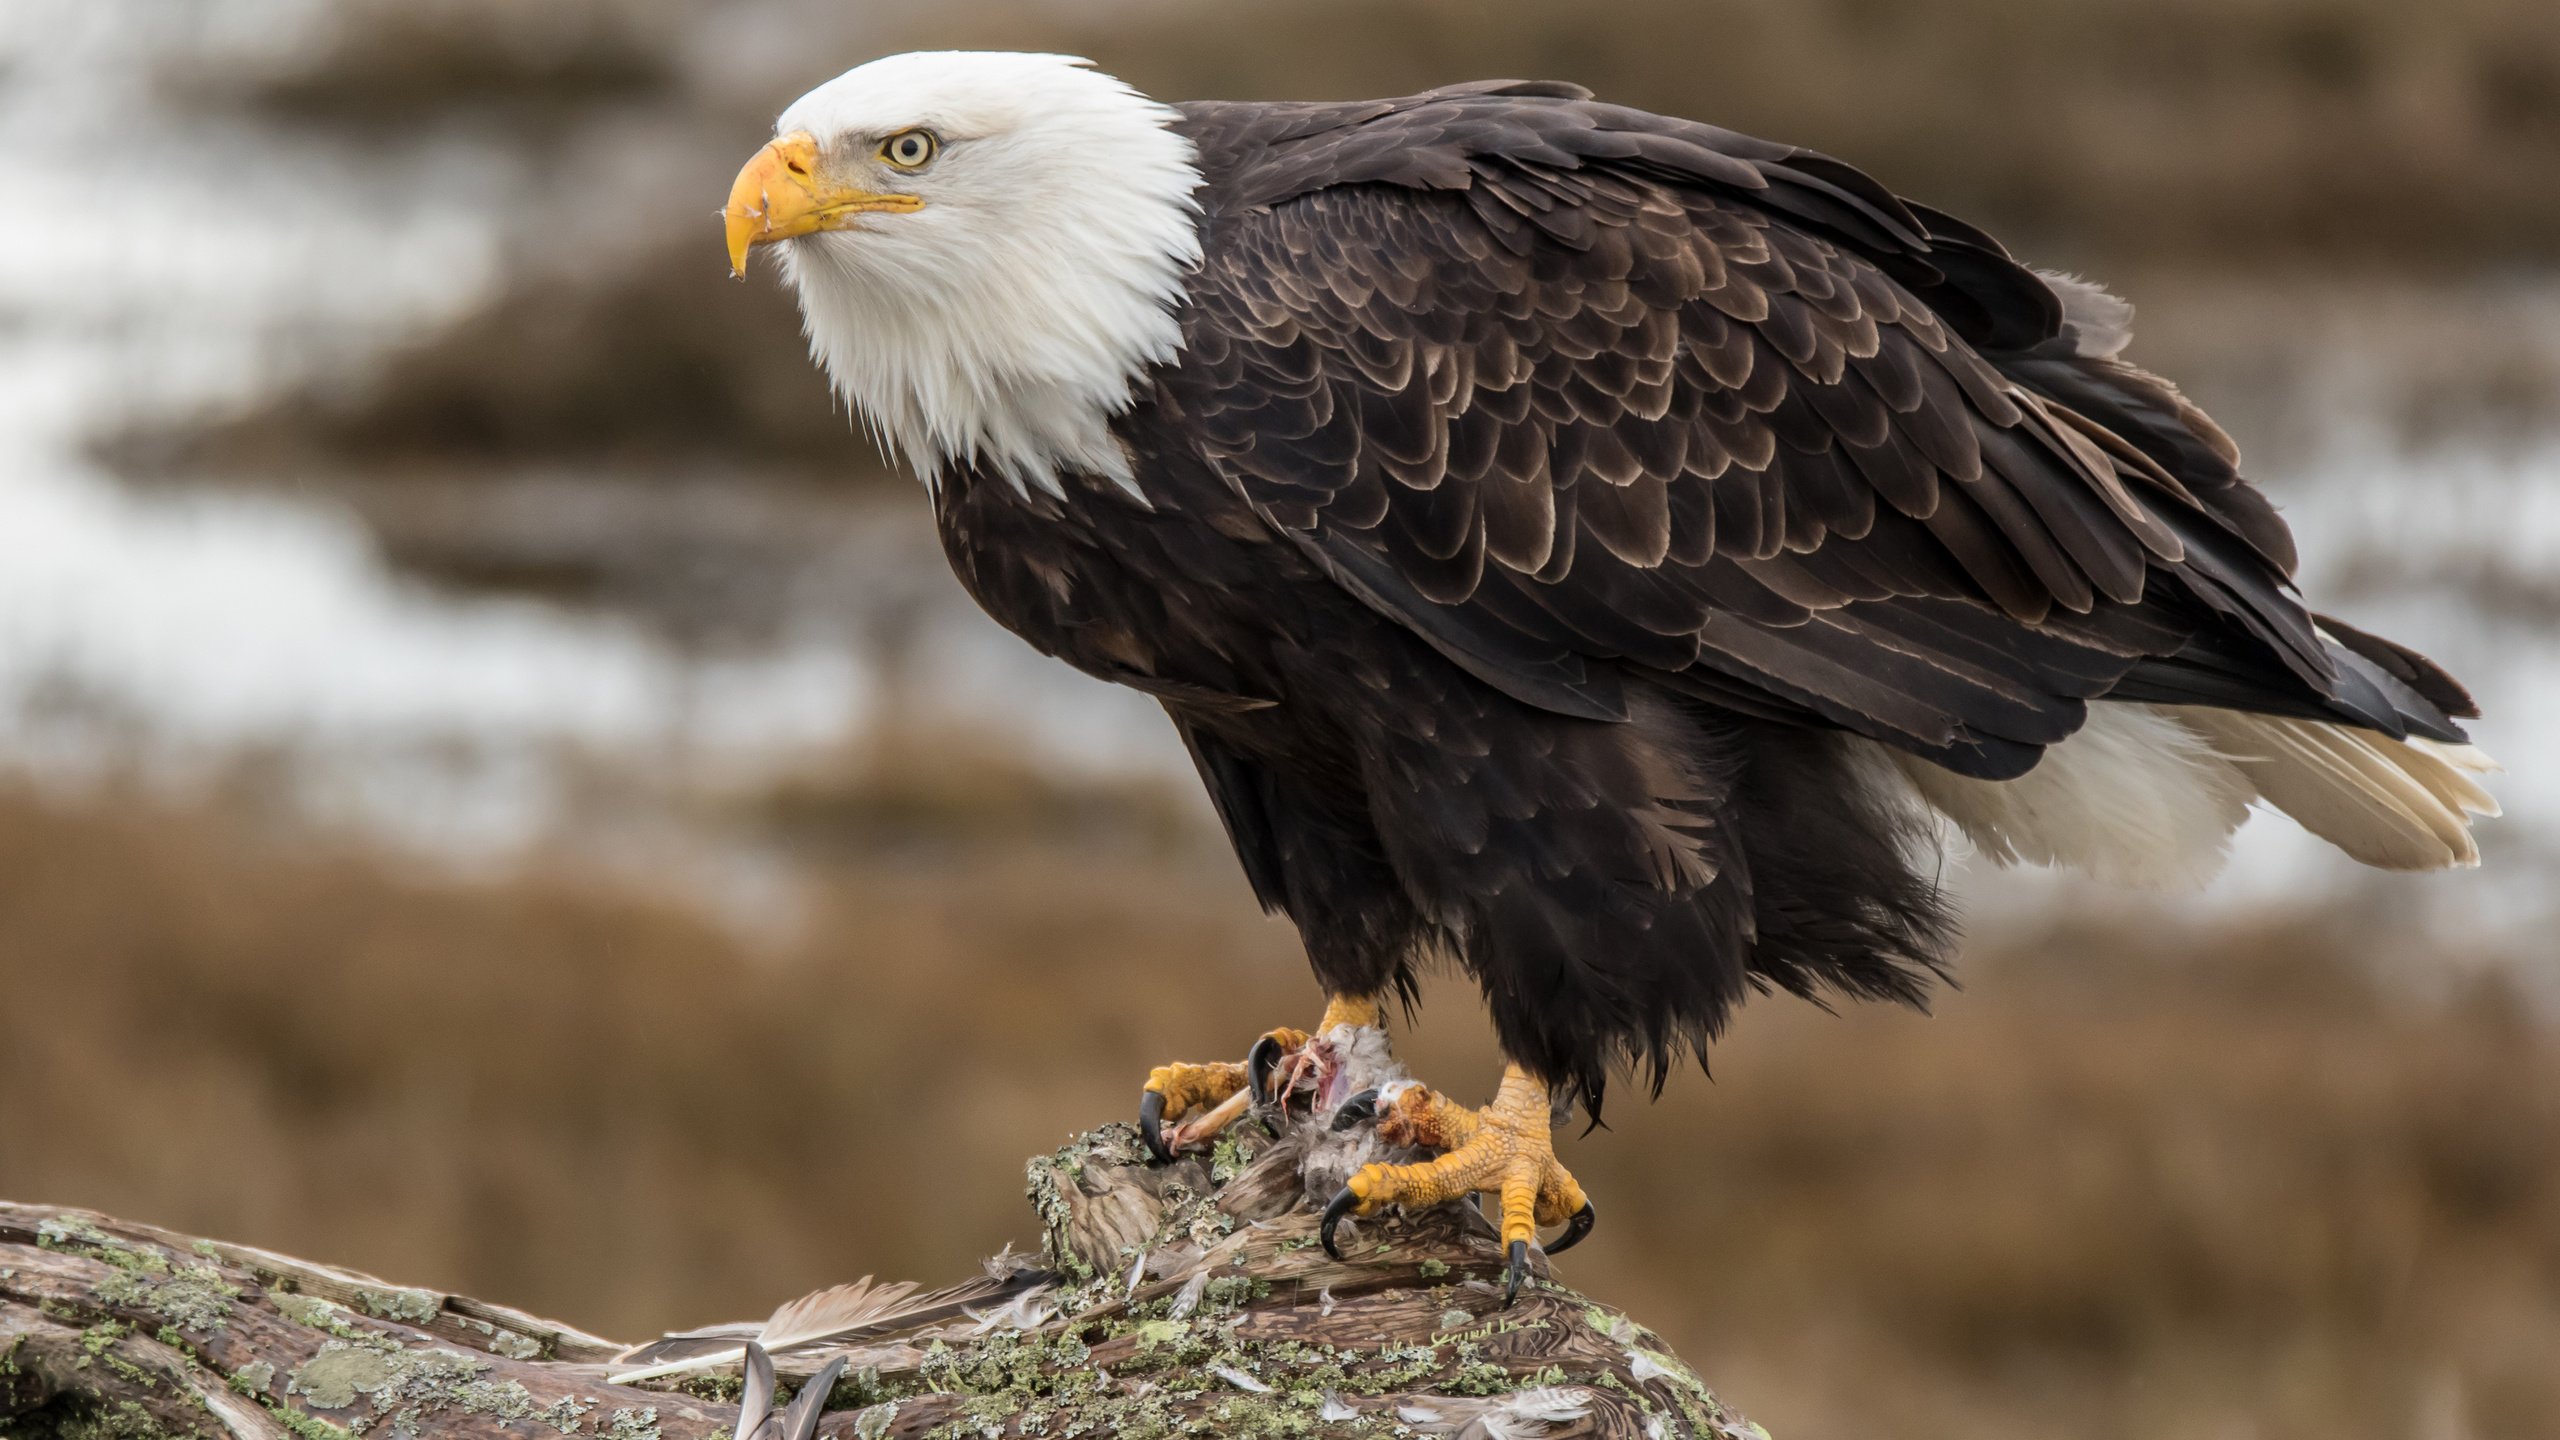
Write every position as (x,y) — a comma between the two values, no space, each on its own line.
(1596,547)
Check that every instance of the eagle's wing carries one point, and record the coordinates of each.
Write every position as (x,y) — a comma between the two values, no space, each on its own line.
(1566,399)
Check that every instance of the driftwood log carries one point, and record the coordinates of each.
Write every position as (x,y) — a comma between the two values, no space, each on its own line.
(1190,1299)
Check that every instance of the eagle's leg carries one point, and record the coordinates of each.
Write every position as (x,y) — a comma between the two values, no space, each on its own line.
(1215,1095)
(1506,1148)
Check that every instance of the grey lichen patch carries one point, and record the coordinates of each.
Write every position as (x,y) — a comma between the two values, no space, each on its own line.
(308,1310)
(1229,1156)
(254,1378)
(1234,1292)
(326,1316)
(506,1343)
(73,1236)
(1041,1180)
(427,1381)
(70,1232)
(641,1424)
(564,1413)
(334,1378)
(405,1388)
(722,1389)
(409,1307)
(98,1347)
(122,1288)
(514,1346)
(308,1427)
(196,1298)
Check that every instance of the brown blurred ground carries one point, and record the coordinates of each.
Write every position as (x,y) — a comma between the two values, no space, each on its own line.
(2195,1184)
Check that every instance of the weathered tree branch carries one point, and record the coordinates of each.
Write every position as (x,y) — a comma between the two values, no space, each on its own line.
(1189,1299)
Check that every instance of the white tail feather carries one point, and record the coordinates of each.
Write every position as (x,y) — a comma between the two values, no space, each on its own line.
(2149,795)
(2134,798)
(2392,804)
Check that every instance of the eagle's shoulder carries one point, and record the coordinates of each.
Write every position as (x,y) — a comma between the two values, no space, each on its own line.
(1528,143)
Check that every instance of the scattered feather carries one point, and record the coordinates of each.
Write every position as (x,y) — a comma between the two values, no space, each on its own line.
(1239,1379)
(1642,1365)
(1027,1311)
(1324,1300)
(800,1422)
(831,1314)
(756,1401)
(1137,1272)
(1188,1299)
(1528,1415)
(1335,1410)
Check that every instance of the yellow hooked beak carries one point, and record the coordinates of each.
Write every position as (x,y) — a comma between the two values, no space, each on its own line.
(780,195)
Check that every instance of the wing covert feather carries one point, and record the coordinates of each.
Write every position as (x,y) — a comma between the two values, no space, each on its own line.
(1571,394)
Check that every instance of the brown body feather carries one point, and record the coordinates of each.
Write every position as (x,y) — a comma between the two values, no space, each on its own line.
(1546,494)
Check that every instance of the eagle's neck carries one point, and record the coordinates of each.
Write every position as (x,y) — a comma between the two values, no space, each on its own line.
(1008,332)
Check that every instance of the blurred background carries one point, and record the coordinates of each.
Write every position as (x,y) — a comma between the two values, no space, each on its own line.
(498,789)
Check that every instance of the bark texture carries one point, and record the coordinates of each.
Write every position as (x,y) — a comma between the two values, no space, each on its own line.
(1190,1299)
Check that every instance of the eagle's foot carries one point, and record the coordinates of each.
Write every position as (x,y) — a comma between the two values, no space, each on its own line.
(1285,1065)
(1506,1149)
(1293,1068)
(1206,1099)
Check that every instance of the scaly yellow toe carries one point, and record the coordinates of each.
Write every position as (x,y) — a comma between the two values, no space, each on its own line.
(1506,1149)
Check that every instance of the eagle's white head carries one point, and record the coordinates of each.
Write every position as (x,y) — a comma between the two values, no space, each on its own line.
(989,249)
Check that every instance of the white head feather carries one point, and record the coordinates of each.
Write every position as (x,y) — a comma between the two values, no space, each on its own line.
(1008,320)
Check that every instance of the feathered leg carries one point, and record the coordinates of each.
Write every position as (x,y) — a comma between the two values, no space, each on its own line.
(1215,1095)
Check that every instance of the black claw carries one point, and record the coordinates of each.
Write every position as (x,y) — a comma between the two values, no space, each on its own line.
(1360,1107)
(1519,1270)
(1343,1200)
(1151,1125)
(1259,1062)
(1575,1228)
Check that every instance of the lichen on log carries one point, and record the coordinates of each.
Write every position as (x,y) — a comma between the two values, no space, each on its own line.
(1190,1299)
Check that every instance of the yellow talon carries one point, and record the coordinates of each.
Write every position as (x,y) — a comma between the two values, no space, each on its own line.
(1176,1090)
(1506,1149)
(1216,1095)
(1189,1087)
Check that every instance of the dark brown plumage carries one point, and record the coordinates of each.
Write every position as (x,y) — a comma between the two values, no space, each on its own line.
(1548,489)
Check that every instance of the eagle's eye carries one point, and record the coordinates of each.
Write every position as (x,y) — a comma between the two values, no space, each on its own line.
(910,149)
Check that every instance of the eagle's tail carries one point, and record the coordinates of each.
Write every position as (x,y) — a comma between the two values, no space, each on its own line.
(2395,804)
(2149,794)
